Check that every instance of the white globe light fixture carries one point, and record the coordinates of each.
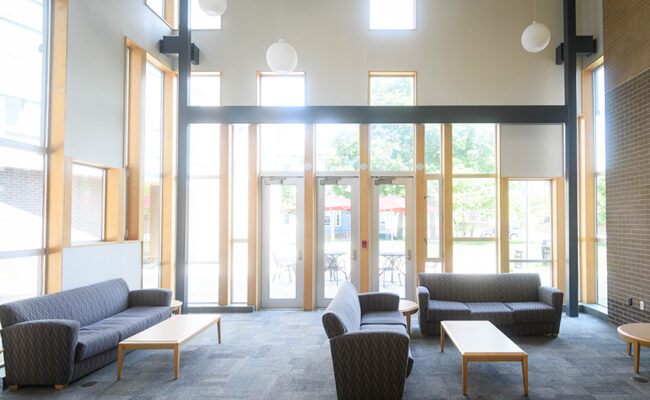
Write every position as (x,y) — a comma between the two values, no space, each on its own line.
(213,8)
(536,36)
(281,57)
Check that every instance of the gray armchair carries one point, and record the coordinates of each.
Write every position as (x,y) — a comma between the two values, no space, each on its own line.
(369,344)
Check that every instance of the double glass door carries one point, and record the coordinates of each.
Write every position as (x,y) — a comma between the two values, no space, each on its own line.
(337,236)
(391,266)
(282,242)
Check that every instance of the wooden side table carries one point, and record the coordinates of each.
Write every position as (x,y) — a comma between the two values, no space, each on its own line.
(175,307)
(637,334)
(408,308)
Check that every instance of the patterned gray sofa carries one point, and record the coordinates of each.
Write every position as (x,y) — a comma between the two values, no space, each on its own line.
(58,338)
(369,344)
(515,303)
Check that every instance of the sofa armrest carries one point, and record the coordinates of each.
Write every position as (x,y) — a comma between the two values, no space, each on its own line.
(423,302)
(370,364)
(551,296)
(376,301)
(40,352)
(150,298)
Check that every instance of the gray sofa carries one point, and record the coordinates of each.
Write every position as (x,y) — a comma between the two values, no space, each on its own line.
(516,303)
(369,344)
(58,338)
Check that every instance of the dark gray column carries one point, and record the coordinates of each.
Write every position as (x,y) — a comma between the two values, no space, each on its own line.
(184,69)
(571,158)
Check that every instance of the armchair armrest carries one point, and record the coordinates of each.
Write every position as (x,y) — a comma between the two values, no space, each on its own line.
(40,352)
(423,303)
(376,301)
(370,364)
(150,298)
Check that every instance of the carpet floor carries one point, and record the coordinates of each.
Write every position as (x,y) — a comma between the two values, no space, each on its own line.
(284,355)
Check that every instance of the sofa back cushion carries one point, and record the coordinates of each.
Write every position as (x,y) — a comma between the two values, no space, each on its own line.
(477,288)
(344,312)
(86,304)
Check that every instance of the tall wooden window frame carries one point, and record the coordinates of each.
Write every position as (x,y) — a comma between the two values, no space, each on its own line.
(135,72)
(450,176)
(170,12)
(588,176)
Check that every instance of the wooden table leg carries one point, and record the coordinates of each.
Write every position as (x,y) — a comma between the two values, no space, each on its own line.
(408,324)
(629,348)
(120,361)
(177,361)
(637,355)
(442,339)
(524,370)
(464,376)
(219,329)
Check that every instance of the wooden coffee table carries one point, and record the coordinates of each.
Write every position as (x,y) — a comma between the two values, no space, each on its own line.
(480,341)
(171,334)
(408,308)
(637,334)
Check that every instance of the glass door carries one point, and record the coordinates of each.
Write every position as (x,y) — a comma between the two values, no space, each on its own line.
(337,236)
(392,264)
(282,242)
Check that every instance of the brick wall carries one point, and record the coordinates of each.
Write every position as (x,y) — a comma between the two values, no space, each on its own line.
(628,198)
(625,39)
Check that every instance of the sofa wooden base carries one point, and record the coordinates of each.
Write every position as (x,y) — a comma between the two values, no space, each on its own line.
(13,387)
(60,387)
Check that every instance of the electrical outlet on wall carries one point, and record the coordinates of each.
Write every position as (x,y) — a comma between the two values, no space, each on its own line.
(642,305)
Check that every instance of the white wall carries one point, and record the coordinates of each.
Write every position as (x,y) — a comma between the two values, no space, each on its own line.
(94,126)
(85,265)
(466,52)
(95,73)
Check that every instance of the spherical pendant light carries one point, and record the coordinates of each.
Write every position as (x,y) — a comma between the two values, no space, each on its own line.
(281,57)
(213,7)
(535,37)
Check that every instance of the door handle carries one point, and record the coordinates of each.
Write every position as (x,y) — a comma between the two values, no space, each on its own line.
(354,255)
(408,254)
(299,255)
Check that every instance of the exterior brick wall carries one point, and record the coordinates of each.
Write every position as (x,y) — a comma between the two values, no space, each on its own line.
(628,198)
(22,189)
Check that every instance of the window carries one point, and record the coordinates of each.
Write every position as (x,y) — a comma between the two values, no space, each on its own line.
(87,210)
(282,145)
(157,6)
(23,151)
(474,198)
(167,10)
(199,19)
(337,147)
(204,218)
(600,166)
(391,145)
(392,14)
(205,89)
(530,231)
(153,143)
(432,157)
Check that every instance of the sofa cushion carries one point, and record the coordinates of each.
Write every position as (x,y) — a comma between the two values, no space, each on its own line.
(383,318)
(532,312)
(384,328)
(87,304)
(134,320)
(474,288)
(497,313)
(94,339)
(446,310)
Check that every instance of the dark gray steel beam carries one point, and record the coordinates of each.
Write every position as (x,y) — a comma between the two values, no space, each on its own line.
(571,158)
(184,69)
(378,114)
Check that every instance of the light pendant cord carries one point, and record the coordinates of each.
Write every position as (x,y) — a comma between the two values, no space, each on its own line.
(534,11)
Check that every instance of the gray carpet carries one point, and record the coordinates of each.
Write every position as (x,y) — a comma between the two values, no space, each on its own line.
(283,355)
